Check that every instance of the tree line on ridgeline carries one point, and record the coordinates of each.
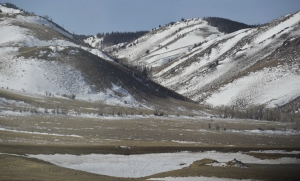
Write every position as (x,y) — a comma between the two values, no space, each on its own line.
(114,38)
(227,25)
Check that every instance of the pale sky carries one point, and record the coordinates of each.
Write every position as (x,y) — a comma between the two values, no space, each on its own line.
(90,17)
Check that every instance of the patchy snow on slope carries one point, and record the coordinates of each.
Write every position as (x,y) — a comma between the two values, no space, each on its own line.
(17,36)
(272,86)
(98,53)
(169,43)
(9,10)
(198,80)
(40,76)
(189,36)
(151,40)
(10,34)
(43,21)
(94,41)
(230,40)
(281,26)
(220,61)
(147,164)
(183,43)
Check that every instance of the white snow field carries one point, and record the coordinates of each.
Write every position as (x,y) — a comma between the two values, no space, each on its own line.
(135,166)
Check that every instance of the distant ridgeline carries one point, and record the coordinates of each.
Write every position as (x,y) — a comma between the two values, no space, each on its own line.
(114,38)
(10,5)
(226,25)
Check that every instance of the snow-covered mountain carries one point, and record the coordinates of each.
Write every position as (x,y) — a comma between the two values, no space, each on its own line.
(37,56)
(167,43)
(257,65)
(251,66)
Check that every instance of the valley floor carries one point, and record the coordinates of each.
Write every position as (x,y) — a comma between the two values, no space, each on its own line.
(34,147)
(53,138)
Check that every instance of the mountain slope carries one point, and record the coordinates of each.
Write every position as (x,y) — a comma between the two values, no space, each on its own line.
(40,57)
(196,60)
(165,44)
(252,65)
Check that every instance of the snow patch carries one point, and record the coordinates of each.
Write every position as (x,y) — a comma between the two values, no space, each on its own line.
(147,164)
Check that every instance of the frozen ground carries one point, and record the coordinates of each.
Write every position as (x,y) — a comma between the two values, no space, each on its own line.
(147,164)
(197,179)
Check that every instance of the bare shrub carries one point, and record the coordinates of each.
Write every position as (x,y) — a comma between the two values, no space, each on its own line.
(259,112)
(217,127)
(158,112)
(72,96)
(119,113)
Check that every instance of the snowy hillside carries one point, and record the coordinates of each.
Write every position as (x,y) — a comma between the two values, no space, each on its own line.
(255,66)
(165,44)
(6,10)
(37,56)
(210,67)
(35,73)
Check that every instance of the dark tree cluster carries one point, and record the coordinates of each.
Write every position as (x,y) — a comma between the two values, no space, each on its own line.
(83,37)
(114,38)
(141,69)
(171,23)
(226,25)
(10,5)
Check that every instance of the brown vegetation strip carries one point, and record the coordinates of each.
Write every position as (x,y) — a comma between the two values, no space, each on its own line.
(255,171)
(78,150)
(273,155)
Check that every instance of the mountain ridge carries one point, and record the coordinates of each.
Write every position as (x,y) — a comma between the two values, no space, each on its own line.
(249,48)
(190,57)
(39,57)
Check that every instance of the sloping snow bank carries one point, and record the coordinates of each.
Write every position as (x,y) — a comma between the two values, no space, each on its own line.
(40,76)
(147,164)
(261,87)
